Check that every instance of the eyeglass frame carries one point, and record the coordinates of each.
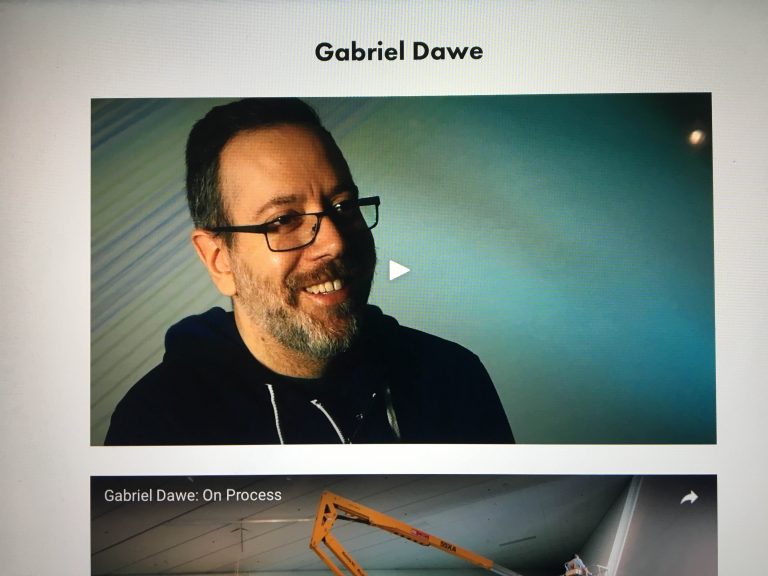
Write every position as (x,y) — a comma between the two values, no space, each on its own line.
(330,212)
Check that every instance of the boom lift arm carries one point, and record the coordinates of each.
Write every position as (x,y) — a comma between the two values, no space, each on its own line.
(333,506)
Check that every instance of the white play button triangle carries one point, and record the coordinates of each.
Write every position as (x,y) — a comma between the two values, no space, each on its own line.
(396,270)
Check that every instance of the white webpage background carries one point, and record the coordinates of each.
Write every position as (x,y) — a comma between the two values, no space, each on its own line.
(55,57)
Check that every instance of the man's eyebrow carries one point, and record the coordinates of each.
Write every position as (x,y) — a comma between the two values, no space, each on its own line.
(346,186)
(286,199)
(277,201)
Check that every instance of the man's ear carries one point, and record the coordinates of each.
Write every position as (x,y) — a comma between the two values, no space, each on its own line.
(214,254)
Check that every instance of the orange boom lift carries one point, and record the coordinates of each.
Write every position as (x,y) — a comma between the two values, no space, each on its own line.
(333,506)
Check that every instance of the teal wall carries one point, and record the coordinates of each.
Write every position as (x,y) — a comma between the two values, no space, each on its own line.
(566,240)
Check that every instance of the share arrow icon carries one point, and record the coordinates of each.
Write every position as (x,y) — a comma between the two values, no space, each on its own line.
(396,270)
(690,497)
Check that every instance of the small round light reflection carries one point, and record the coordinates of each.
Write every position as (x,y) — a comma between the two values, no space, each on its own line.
(697,137)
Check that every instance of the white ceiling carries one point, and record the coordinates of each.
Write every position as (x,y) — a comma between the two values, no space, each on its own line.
(517,521)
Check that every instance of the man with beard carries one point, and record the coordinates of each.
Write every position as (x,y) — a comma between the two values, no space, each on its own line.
(282,230)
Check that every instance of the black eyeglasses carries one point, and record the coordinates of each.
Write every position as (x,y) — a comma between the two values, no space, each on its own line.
(292,231)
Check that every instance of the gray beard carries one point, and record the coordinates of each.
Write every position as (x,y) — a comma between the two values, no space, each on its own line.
(264,305)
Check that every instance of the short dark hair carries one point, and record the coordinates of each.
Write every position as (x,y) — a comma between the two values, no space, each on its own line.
(212,132)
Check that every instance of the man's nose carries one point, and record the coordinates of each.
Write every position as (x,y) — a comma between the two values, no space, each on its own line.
(330,240)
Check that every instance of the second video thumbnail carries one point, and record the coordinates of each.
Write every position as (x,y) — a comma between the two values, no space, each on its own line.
(405,525)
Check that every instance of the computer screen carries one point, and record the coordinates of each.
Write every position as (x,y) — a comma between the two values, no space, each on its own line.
(383,288)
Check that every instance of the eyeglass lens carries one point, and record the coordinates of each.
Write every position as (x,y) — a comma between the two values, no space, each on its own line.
(302,229)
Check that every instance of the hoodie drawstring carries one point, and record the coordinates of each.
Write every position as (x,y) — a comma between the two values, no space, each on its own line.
(276,413)
(320,407)
(315,403)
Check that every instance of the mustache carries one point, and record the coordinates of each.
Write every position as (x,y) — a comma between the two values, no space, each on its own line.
(355,269)
(334,269)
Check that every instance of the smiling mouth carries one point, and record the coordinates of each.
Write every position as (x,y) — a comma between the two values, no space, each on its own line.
(326,287)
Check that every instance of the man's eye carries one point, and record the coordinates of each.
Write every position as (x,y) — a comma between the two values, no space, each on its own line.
(285,223)
(345,207)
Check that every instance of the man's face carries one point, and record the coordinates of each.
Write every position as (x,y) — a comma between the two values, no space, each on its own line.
(309,299)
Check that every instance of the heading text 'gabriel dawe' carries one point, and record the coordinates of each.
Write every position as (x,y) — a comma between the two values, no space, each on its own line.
(325,52)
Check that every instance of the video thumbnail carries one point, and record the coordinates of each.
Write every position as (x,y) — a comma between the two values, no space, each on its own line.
(545,270)
(405,525)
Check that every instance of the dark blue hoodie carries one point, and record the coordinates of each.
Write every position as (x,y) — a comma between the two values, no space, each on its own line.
(394,385)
